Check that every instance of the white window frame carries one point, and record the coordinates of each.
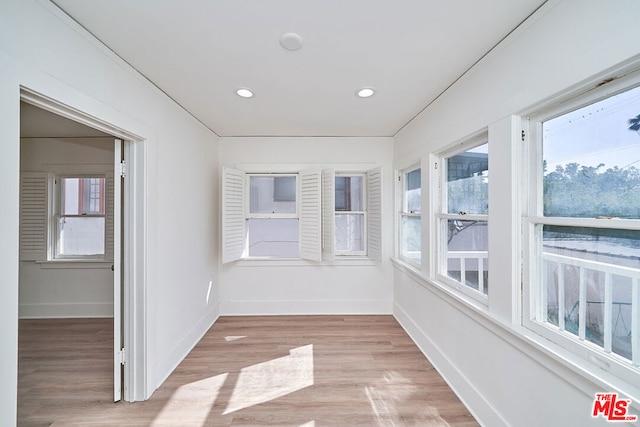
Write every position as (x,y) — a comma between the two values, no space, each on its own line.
(404,212)
(533,219)
(363,213)
(441,216)
(254,215)
(316,214)
(38,210)
(57,215)
(274,215)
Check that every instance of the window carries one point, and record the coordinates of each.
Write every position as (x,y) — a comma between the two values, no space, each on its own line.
(350,215)
(80,218)
(312,215)
(410,220)
(463,218)
(272,220)
(585,228)
(66,217)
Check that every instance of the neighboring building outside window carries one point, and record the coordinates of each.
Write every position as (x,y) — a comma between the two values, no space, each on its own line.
(410,227)
(350,215)
(272,219)
(79,230)
(463,217)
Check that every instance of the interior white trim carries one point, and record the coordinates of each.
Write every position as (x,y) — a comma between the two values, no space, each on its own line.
(481,409)
(67,310)
(134,258)
(304,307)
(586,377)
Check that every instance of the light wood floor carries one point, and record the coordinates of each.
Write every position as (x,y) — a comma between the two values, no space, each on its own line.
(246,371)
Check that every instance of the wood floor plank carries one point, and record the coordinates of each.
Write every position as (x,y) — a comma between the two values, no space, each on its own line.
(246,371)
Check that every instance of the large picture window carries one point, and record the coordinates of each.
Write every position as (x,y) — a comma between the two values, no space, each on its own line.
(585,227)
(463,217)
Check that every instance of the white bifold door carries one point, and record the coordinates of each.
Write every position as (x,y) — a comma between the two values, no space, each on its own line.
(118,353)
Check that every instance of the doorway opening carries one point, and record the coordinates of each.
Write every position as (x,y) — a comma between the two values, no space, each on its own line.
(86,199)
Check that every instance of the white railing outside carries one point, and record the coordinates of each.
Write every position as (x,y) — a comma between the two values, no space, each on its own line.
(609,271)
(462,257)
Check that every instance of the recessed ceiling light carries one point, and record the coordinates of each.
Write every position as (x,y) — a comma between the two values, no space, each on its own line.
(291,41)
(365,92)
(244,92)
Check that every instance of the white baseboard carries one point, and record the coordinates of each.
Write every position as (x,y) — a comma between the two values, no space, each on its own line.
(49,311)
(315,307)
(170,361)
(479,407)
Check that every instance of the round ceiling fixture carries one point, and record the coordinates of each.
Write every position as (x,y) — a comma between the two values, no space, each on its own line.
(365,92)
(244,92)
(291,41)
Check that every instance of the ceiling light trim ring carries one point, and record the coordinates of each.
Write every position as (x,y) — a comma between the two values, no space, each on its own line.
(244,92)
(365,92)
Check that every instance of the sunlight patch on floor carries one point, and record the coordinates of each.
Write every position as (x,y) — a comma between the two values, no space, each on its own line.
(234,337)
(387,395)
(198,396)
(270,380)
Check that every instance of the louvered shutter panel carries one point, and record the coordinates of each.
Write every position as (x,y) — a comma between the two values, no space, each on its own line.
(328,214)
(311,215)
(109,224)
(374,214)
(34,215)
(233,220)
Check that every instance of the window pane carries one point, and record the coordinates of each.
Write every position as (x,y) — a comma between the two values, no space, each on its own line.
(272,194)
(349,232)
(413,191)
(83,196)
(591,160)
(467,253)
(597,259)
(81,236)
(468,182)
(411,237)
(349,193)
(273,237)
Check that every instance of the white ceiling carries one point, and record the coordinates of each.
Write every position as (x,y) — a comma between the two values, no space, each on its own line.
(200,51)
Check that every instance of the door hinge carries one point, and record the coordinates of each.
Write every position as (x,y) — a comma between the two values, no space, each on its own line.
(523,135)
(122,169)
(121,356)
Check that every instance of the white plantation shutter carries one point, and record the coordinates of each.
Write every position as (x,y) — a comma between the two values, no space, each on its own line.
(34,215)
(311,215)
(374,214)
(328,214)
(233,220)
(109,224)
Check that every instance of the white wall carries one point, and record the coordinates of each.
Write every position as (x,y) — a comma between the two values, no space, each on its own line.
(502,375)
(301,287)
(43,50)
(66,289)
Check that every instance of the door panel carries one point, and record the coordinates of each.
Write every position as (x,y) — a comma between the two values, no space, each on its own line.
(117,273)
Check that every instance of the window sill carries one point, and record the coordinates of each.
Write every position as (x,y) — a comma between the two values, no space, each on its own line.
(585,375)
(297,262)
(449,291)
(75,264)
